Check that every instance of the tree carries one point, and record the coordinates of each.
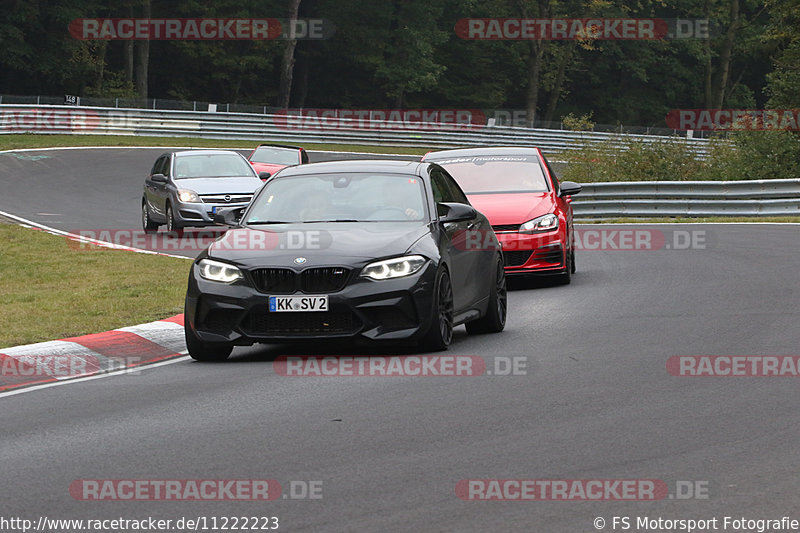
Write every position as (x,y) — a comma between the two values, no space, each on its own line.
(287,63)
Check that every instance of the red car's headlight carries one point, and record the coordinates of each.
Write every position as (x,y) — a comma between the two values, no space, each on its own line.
(540,224)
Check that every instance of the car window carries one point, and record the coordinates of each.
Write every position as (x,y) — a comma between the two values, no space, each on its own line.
(439,187)
(552,175)
(455,191)
(494,174)
(226,165)
(361,197)
(165,165)
(275,155)
(157,166)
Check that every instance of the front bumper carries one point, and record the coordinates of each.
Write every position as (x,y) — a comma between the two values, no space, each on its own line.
(539,253)
(200,214)
(388,310)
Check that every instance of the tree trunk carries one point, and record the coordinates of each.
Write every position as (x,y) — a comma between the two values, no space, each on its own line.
(143,59)
(301,88)
(708,69)
(555,94)
(127,52)
(534,61)
(726,56)
(534,67)
(102,48)
(287,63)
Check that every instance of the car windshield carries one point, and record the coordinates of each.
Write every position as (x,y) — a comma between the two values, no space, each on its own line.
(211,166)
(360,197)
(496,174)
(275,155)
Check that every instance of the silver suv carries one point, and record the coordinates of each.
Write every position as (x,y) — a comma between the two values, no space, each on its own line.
(186,188)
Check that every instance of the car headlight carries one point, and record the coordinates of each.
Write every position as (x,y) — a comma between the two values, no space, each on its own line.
(188,196)
(216,271)
(540,224)
(393,268)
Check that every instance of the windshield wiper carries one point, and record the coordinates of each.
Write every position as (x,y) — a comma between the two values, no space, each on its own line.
(333,220)
(264,222)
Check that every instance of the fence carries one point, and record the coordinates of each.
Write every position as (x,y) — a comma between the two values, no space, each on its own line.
(298,129)
(689,198)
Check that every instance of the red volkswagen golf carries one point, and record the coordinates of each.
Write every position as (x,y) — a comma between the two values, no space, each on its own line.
(521,196)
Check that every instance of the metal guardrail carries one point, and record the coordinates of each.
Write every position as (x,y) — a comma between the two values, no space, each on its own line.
(636,199)
(689,198)
(287,128)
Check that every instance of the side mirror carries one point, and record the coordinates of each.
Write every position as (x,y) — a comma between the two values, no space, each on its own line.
(229,216)
(159,178)
(264,175)
(569,188)
(455,212)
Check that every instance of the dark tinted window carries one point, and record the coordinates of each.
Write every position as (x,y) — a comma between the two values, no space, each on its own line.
(494,174)
(158,166)
(449,189)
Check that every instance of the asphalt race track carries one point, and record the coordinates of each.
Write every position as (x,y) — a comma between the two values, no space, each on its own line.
(594,402)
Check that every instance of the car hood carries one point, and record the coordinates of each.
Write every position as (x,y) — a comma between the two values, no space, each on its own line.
(243,185)
(512,208)
(341,243)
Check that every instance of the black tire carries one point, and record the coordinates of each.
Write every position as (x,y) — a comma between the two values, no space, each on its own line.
(205,351)
(172,224)
(440,333)
(495,318)
(572,263)
(569,268)
(147,224)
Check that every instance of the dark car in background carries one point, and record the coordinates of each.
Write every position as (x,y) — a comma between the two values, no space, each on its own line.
(186,188)
(528,207)
(270,158)
(388,264)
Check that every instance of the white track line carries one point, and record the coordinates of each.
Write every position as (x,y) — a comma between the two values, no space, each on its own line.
(98,376)
(87,240)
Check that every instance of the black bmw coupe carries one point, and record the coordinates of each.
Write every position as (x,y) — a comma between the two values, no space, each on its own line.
(363,250)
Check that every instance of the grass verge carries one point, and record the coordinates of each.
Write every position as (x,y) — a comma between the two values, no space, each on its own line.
(53,289)
(32,140)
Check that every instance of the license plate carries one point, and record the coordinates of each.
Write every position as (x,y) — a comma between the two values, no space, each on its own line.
(294,304)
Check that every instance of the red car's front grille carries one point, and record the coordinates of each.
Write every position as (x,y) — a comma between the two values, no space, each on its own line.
(506,227)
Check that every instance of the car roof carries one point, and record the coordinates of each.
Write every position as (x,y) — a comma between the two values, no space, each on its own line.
(481,151)
(356,165)
(288,147)
(203,152)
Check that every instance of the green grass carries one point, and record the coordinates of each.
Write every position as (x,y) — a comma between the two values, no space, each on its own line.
(53,289)
(32,140)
